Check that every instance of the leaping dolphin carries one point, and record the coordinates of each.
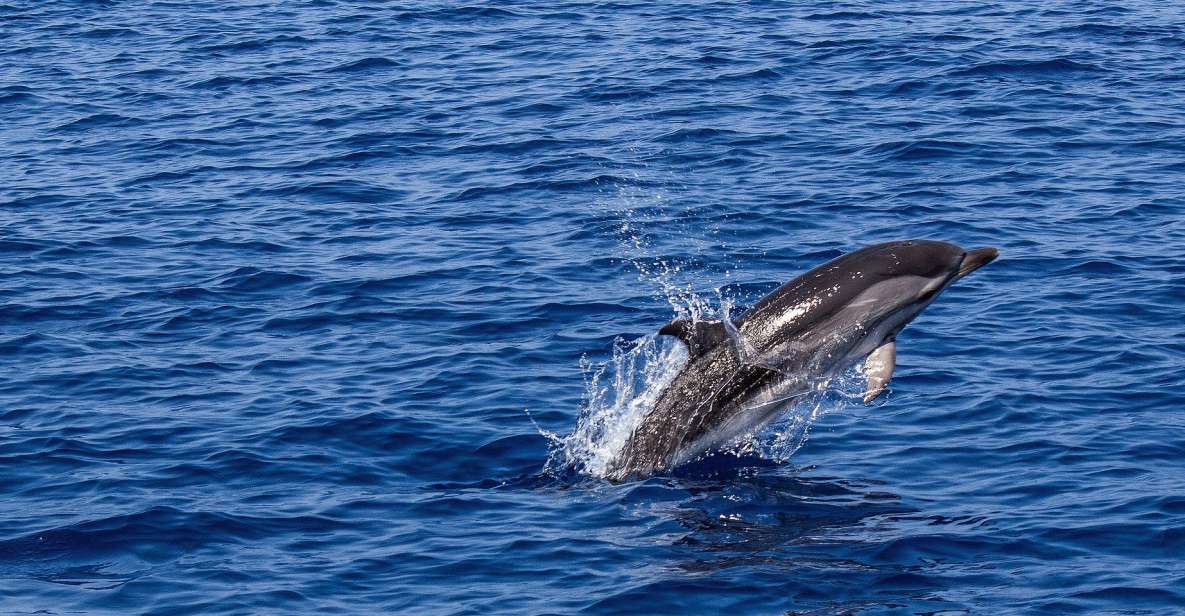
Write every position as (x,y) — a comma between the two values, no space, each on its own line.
(740,374)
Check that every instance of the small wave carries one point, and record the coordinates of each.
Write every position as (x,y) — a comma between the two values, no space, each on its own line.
(843,16)
(365,64)
(99,120)
(715,60)
(107,33)
(1027,68)
(157,534)
(572,185)
(1101,30)
(462,13)
(225,82)
(165,177)
(698,135)
(517,147)
(534,109)
(251,279)
(20,247)
(1046,131)
(605,93)
(922,149)
(847,42)
(16,312)
(19,98)
(251,44)
(36,345)
(570,312)
(235,246)
(762,74)
(1096,267)
(150,74)
(335,191)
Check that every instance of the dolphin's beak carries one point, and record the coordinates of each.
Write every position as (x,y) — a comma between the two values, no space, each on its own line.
(975,259)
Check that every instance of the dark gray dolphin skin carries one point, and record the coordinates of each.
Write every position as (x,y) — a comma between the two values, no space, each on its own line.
(740,375)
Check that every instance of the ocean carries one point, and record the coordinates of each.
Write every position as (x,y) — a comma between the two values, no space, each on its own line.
(339,307)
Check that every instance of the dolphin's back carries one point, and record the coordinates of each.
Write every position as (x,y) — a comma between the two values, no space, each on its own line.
(800,305)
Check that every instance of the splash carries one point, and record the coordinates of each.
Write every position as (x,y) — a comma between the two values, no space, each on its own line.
(620,391)
(617,395)
(667,243)
(790,431)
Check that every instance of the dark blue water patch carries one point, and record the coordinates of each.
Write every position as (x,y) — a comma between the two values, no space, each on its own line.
(252,43)
(844,16)
(922,150)
(99,120)
(365,64)
(332,192)
(229,82)
(1023,68)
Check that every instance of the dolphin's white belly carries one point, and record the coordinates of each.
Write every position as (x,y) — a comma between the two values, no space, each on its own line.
(804,369)
(752,415)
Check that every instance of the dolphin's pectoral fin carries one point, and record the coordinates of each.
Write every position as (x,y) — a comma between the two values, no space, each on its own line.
(699,336)
(879,369)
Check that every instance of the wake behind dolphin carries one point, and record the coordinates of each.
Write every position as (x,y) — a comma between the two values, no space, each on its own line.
(740,375)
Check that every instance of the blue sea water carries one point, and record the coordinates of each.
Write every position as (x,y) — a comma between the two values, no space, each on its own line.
(308,307)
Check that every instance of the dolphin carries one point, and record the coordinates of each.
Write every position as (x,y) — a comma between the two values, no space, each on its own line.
(740,375)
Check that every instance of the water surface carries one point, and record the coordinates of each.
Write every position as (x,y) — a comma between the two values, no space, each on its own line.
(286,287)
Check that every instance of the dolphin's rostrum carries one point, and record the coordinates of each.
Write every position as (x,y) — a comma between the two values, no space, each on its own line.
(740,375)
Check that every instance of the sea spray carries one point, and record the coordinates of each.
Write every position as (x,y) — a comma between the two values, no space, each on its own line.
(617,395)
(620,391)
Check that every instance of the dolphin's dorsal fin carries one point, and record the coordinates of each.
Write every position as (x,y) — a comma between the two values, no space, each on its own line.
(878,368)
(699,336)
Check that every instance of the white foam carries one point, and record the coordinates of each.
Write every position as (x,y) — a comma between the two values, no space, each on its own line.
(617,395)
(619,392)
